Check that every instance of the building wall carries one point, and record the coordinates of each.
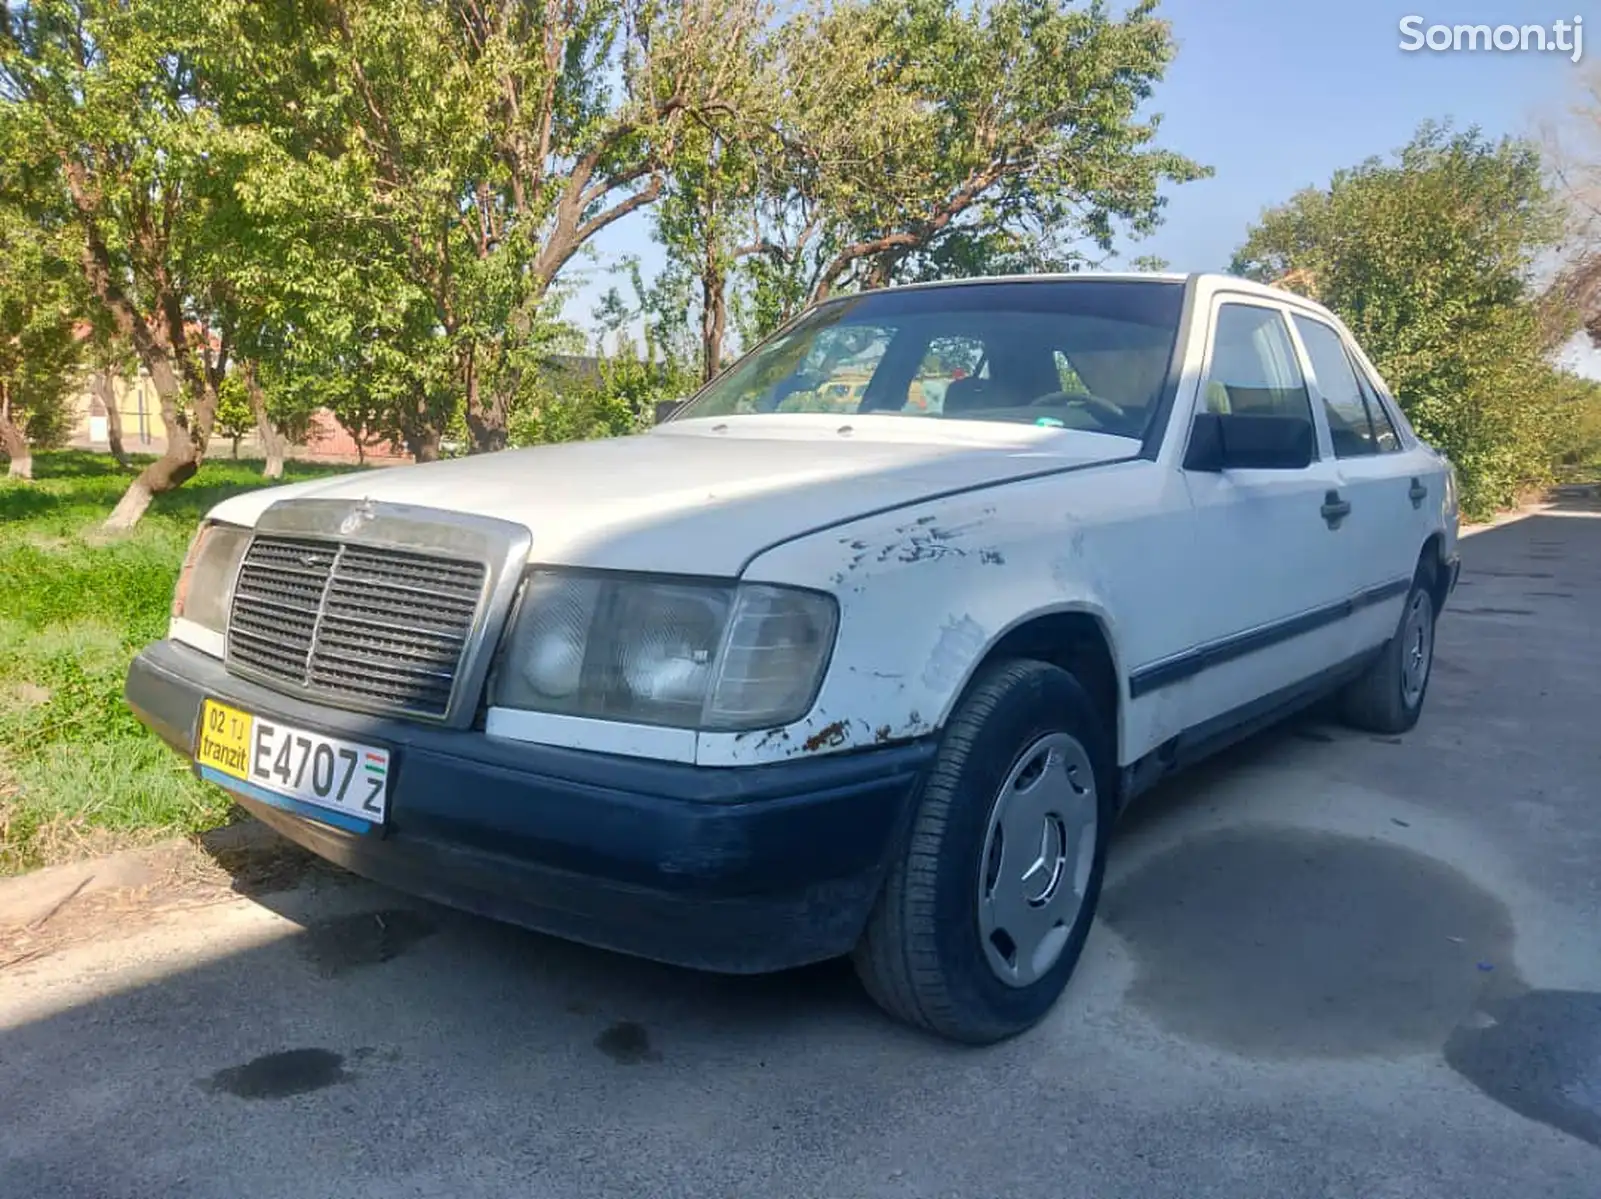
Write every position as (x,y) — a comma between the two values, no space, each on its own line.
(143,432)
(140,407)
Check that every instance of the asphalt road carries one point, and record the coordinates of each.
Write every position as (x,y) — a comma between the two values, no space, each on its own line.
(1330,965)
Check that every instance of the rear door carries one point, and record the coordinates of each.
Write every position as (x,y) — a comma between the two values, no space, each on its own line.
(1374,475)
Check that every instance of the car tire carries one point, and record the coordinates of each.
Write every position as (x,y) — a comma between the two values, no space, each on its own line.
(1388,696)
(1021,749)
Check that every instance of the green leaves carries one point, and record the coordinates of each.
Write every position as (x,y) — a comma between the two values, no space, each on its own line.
(1430,259)
(377,202)
(40,350)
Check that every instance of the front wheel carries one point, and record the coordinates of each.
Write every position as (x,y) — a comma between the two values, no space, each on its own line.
(984,916)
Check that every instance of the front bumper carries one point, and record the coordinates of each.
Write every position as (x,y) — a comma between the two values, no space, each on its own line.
(732,869)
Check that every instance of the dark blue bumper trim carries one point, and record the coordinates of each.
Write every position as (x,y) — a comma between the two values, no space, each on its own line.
(739,869)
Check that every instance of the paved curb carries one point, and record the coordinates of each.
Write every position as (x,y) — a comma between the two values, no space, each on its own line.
(28,900)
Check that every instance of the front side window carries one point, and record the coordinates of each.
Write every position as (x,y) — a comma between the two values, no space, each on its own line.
(837,368)
(1089,354)
(1253,370)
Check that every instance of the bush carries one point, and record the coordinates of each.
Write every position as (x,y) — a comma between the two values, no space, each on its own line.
(620,400)
(1430,260)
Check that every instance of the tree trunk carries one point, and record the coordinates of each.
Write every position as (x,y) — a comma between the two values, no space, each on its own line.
(486,418)
(186,444)
(713,313)
(423,444)
(167,472)
(272,441)
(13,440)
(162,350)
(105,386)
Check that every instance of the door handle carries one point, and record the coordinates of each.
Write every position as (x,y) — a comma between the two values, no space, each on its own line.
(1335,509)
(1418,492)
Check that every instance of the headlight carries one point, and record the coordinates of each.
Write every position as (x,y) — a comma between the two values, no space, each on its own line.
(205,585)
(713,656)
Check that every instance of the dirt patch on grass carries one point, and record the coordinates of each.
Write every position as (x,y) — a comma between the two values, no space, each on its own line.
(18,697)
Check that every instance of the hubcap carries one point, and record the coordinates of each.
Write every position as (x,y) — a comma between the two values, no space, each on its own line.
(1038,851)
(1417,647)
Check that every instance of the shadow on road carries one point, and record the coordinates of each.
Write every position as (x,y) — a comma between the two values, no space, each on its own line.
(393,1038)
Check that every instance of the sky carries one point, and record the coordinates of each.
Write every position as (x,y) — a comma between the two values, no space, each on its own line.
(1276,95)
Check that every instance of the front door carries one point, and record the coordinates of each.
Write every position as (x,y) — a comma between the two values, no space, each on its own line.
(1265,606)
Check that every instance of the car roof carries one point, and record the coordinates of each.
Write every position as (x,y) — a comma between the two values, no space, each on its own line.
(1203,281)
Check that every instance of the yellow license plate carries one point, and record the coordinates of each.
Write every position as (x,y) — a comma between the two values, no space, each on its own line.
(344,783)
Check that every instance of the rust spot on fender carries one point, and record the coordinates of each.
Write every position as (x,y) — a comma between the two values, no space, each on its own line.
(831,734)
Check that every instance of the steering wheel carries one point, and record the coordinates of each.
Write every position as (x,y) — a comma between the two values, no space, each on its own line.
(1082,398)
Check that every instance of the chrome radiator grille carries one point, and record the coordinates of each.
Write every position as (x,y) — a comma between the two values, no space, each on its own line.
(384,629)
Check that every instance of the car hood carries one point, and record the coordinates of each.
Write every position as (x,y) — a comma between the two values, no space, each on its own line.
(706,496)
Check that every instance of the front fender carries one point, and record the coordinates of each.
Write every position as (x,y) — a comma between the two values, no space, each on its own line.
(926,592)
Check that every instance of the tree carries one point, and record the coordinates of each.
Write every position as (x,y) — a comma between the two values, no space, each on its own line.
(497,140)
(40,350)
(106,130)
(925,138)
(1573,154)
(234,417)
(1430,259)
(1578,438)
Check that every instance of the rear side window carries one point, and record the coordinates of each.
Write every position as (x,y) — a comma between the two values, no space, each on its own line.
(1350,421)
(1384,434)
(1253,370)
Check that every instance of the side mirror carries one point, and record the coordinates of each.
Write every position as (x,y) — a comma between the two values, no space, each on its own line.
(665,408)
(1246,442)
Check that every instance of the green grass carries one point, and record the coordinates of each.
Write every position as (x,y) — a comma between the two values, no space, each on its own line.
(78,774)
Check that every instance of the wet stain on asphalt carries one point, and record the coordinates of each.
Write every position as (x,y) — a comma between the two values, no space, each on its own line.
(280,1075)
(627,1043)
(1278,942)
(347,943)
(1539,1054)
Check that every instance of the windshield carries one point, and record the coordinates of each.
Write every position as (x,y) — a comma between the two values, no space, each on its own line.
(1080,354)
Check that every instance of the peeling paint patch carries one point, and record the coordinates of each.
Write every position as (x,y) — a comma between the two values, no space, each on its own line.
(772,735)
(915,726)
(829,735)
(960,642)
(992,557)
(923,547)
(883,734)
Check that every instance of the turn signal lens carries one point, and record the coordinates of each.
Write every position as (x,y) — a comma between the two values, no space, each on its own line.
(205,584)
